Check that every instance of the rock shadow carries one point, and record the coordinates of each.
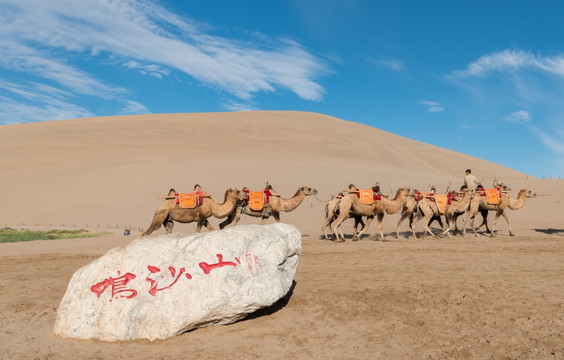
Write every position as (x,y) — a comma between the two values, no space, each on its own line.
(280,304)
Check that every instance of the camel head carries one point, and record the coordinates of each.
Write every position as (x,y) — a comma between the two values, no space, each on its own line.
(306,191)
(504,187)
(405,191)
(527,193)
(235,194)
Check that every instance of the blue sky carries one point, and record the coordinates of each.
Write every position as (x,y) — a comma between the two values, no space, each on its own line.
(485,78)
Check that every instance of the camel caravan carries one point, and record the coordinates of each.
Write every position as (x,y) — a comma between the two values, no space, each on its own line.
(415,206)
(198,206)
(353,203)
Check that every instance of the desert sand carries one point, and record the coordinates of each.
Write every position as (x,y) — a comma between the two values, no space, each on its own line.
(461,298)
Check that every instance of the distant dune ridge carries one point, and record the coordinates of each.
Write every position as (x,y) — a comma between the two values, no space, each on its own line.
(109,170)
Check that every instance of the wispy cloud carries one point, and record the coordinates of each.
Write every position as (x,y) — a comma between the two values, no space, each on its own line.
(521,116)
(237,106)
(146,37)
(511,60)
(133,107)
(389,64)
(523,80)
(433,106)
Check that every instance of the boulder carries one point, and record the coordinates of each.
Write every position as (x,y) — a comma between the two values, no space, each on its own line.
(159,287)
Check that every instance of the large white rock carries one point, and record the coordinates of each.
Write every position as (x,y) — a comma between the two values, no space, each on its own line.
(158,287)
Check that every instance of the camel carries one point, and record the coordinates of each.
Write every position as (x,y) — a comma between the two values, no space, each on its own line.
(427,209)
(456,209)
(273,208)
(408,211)
(169,212)
(332,212)
(480,204)
(350,205)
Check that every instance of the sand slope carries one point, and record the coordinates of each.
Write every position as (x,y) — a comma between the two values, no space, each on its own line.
(109,170)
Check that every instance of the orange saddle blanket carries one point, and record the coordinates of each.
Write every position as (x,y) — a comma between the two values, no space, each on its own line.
(256,200)
(188,201)
(441,201)
(366,196)
(492,195)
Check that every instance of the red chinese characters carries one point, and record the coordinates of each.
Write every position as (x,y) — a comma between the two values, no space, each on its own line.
(162,280)
(154,283)
(209,267)
(118,286)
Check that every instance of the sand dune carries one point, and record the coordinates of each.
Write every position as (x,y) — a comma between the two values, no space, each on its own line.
(465,298)
(109,170)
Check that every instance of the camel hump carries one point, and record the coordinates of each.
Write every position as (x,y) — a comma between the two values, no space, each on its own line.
(171,191)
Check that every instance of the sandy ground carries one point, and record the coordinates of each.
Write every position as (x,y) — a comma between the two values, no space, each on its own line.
(461,298)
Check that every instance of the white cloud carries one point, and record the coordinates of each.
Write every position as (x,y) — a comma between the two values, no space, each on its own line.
(521,116)
(511,60)
(134,107)
(142,32)
(153,70)
(433,106)
(26,59)
(237,106)
(12,112)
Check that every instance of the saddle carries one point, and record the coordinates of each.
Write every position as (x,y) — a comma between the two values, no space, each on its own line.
(368,196)
(256,200)
(442,201)
(493,196)
(188,201)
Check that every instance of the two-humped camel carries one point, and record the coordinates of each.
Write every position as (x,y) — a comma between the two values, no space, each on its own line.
(427,209)
(273,208)
(332,212)
(408,210)
(170,211)
(480,204)
(350,205)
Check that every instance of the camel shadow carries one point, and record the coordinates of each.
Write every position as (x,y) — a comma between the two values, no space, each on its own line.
(550,231)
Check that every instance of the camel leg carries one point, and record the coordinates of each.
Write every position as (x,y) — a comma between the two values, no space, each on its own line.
(356,235)
(455,221)
(358,221)
(404,216)
(232,219)
(168,224)
(414,219)
(343,213)
(158,220)
(426,224)
(504,214)
(276,216)
(205,223)
(484,214)
(448,219)
(380,217)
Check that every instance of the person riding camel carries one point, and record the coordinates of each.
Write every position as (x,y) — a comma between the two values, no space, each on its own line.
(471,181)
